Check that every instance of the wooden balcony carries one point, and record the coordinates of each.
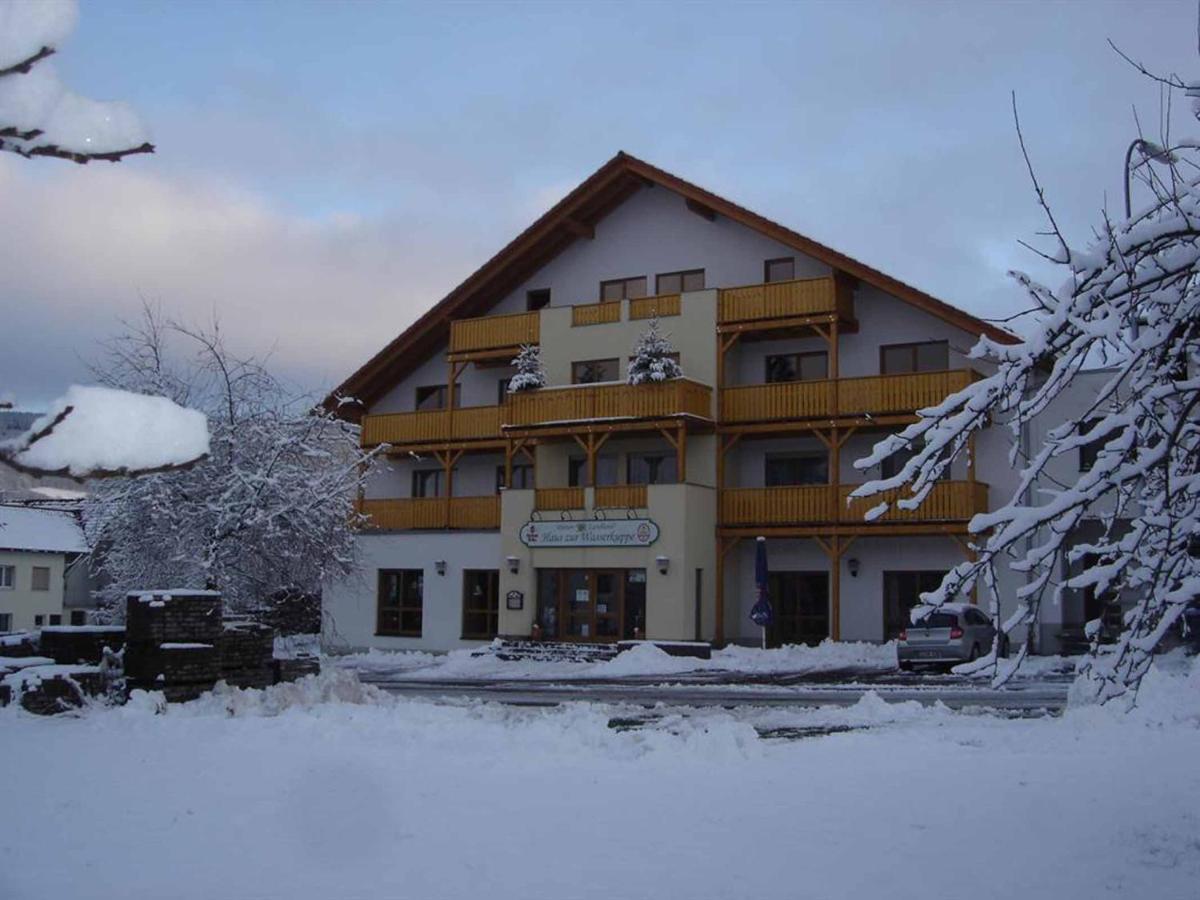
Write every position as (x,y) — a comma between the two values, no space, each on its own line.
(649,307)
(784,301)
(431,513)
(609,401)
(621,496)
(437,426)
(825,505)
(840,398)
(558,498)
(490,336)
(596,313)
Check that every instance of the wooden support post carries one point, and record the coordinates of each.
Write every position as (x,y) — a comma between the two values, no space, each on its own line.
(835,546)
(833,349)
(509,450)
(681,455)
(971,461)
(724,545)
(724,345)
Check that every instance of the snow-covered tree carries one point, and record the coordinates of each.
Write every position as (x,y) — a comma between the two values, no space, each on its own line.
(653,357)
(530,375)
(1130,303)
(271,508)
(39,115)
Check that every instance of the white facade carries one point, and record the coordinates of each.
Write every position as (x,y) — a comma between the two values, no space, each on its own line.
(37,547)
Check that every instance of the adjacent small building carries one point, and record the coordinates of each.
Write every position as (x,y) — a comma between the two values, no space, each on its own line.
(596,510)
(40,551)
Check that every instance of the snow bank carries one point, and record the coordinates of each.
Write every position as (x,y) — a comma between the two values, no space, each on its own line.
(115,431)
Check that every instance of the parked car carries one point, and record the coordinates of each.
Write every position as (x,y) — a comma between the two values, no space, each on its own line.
(950,633)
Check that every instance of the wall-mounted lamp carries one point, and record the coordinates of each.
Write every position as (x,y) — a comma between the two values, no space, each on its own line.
(514,564)
(439,566)
(852,566)
(663,564)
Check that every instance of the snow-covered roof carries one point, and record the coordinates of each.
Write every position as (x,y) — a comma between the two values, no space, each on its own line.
(45,530)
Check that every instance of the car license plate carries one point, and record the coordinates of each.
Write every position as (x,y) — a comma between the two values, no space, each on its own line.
(929,654)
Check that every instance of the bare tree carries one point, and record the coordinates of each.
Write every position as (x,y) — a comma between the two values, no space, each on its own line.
(272,506)
(1131,305)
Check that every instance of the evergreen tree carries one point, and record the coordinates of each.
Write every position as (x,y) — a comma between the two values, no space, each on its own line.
(653,357)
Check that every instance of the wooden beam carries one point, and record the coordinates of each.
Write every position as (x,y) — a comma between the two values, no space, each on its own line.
(702,210)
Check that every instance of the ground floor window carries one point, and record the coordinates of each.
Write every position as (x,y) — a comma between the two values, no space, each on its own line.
(78,617)
(8,576)
(800,601)
(401,594)
(55,619)
(901,592)
(592,604)
(5,621)
(481,604)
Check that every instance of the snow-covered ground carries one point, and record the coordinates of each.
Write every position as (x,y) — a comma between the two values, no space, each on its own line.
(643,660)
(330,789)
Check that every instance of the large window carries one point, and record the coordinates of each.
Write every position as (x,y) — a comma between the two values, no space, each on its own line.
(400,601)
(928,356)
(623,288)
(481,604)
(606,471)
(538,299)
(796,468)
(427,483)
(8,577)
(779,269)
(41,578)
(433,396)
(651,468)
(522,476)
(5,622)
(811,366)
(901,592)
(592,371)
(679,282)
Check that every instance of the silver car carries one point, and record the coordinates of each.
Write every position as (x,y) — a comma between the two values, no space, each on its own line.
(950,633)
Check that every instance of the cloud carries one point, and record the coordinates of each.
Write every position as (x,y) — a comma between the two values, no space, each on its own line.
(324,293)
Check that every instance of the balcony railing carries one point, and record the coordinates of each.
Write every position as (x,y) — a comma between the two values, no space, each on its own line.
(831,398)
(649,307)
(621,496)
(610,401)
(558,498)
(784,300)
(469,423)
(818,504)
(412,513)
(596,313)
(489,333)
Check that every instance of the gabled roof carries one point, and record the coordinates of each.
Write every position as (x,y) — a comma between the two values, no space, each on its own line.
(41,530)
(575,216)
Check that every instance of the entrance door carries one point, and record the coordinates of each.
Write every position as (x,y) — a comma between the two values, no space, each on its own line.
(801,604)
(606,601)
(593,604)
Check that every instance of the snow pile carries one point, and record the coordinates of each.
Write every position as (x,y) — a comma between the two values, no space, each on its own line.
(827,656)
(38,99)
(42,530)
(114,431)
(1169,695)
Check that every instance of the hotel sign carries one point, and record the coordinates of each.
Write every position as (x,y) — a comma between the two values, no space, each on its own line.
(590,533)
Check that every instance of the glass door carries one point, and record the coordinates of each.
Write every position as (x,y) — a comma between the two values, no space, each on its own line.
(577,605)
(606,600)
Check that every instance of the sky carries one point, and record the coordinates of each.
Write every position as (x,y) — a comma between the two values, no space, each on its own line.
(327,171)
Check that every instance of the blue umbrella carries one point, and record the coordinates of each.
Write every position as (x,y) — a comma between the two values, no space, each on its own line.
(761,613)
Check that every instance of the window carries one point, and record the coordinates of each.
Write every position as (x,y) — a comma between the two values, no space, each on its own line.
(901,592)
(929,356)
(796,468)
(779,269)
(41,578)
(427,483)
(7,577)
(1090,452)
(39,621)
(591,371)
(651,468)
(679,282)
(539,299)
(606,471)
(481,604)
(5,621)
(892,465)
(78,617)
(797,366)
(433,396)
(400,600)
(623,288)
(55,619)
(522,477)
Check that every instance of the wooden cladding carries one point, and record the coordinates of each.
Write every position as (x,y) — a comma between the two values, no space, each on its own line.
(412,513)
(596,313)
(784,300)
(435,426)
(649,307)
(494,332)
(611,401)
(949,501)
(832,398)
(621,496)
(558,498)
